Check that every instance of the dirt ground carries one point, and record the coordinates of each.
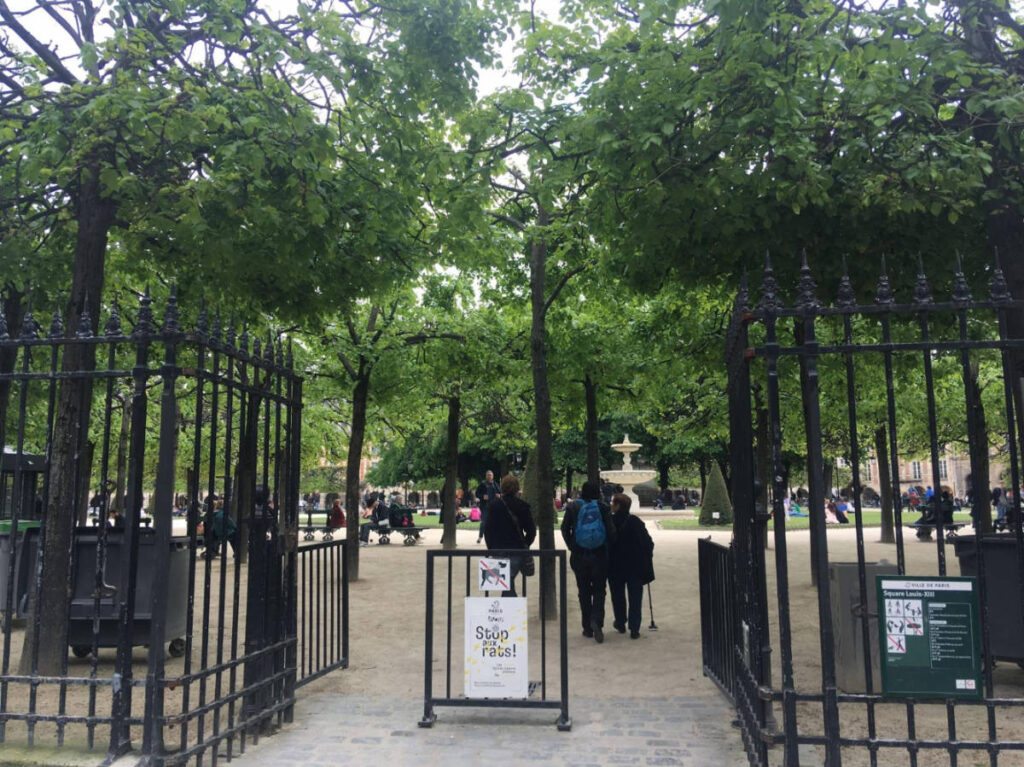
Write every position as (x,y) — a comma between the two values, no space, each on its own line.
(387,643)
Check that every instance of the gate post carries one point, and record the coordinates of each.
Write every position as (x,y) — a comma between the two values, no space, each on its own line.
(152,737)
(749,535)
(809,307)
(121,704)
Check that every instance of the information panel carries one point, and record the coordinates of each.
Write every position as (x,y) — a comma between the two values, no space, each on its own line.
(496,644)
(929,637)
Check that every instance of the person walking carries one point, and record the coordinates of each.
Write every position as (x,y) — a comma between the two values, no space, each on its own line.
(486,492)
(510,526)
(630,566)
(588,532)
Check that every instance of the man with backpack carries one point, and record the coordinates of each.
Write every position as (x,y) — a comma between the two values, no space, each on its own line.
(588,532)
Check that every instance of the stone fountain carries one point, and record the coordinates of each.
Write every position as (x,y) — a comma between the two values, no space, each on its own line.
(628,476)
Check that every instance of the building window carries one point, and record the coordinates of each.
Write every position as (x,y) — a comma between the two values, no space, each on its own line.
(915,469)
(943,470)
(868,472)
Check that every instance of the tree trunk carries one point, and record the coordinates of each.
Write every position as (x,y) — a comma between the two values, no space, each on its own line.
(448,509)
(888,534)
(545,510)
(14,314)
(663,466)
(703,468)
(568,481)
(360,396)
(593,448)
(68,477)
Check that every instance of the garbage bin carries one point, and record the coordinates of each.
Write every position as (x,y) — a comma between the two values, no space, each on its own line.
(20,565)
(844,590)
(83,581)
(1002,590)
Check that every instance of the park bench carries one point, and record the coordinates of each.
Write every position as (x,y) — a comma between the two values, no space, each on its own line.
(951,529)
(384,531)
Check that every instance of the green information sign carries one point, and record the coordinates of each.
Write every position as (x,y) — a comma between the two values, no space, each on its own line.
(929,637)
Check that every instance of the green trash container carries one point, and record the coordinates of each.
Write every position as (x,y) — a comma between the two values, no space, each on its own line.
(20,568)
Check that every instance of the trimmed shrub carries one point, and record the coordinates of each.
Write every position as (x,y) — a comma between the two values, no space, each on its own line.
(716,500)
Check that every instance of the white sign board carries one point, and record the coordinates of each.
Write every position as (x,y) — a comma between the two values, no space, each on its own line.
(494,574)
(496,642)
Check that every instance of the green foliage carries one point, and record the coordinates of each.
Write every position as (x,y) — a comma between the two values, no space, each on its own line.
(716,500)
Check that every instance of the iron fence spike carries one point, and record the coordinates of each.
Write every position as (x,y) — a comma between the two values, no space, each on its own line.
(922,290)
(769,302)
(883,293)
(202,323)
(56,324)
(847,298)
(243,340)
(257,350)
(113,326)
(29,326)
(289,359)
(171,324)
(144,325)
(998,289)
(216,329)
(961,290)
(84,329)
(807,300)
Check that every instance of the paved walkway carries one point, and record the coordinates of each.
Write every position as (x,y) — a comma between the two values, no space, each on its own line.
(337,729)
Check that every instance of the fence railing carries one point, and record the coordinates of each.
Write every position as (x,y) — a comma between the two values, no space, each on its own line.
(717,614)
(546,592)
(166,461)
(897,388)
(323,610)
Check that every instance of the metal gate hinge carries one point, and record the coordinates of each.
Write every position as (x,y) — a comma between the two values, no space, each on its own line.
(765,693)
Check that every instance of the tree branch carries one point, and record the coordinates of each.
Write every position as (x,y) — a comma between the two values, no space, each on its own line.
(561,284)
(51,59)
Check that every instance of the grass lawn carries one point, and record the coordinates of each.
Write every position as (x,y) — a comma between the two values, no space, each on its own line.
(871,517)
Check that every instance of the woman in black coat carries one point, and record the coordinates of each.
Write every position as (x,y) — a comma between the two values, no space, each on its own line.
(509,525)
(630,566)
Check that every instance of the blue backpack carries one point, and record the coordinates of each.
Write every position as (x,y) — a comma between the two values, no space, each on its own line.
(590,532)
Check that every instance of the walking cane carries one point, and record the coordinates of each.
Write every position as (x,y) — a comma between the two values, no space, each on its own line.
(650,603)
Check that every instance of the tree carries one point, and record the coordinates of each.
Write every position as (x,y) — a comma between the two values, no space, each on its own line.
(716,508)
(209,128)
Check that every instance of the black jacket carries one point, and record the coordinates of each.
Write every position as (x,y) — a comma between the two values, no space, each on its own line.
(632,557)
(502,532)
(486,489)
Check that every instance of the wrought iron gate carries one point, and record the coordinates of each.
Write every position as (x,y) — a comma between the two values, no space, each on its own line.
(934,382)
(177,531)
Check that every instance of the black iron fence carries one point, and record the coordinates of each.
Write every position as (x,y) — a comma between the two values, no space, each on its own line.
(155,470)
(917,403)
(546,638)
(717,613)
(323,609)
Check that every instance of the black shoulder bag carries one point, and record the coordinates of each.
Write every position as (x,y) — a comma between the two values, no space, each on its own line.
(528,567)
